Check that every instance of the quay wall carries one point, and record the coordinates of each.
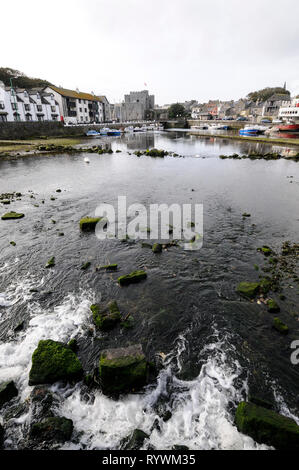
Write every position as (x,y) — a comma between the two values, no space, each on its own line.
(27,130)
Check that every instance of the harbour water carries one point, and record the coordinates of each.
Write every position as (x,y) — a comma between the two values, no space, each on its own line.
(212,348)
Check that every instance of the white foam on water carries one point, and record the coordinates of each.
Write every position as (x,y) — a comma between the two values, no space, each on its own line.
(60,323)
(200,408)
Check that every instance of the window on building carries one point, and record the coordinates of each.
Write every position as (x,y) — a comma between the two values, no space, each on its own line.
(39,107)
(80,109)
(27,107)
(14,106)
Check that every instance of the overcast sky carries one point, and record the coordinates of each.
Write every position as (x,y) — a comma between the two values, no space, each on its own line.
(182,49)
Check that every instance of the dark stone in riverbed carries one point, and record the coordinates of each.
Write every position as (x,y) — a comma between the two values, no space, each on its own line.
(53,429)
(122,369)
(248,289)
(105,317)
(157,248)
(85,265)
(134,441)
(53,361)
(107,267)
(280,326)
(12,215)
(1,436)
(8,391)
(51,262)
(267,427)
(88,224)
(273,307)
(135,276)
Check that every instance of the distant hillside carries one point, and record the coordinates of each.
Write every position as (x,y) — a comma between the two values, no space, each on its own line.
(265,93)
(19,79)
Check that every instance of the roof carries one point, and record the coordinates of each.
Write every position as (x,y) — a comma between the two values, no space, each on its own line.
(279,97)
(75,94)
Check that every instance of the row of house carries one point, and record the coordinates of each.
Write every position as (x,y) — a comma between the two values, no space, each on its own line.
(52,103)
(277,105)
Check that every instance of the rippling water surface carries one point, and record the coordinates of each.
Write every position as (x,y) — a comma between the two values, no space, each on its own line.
(215,348)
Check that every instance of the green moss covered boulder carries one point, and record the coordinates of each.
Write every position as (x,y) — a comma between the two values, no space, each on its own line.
(267,427)
(55,428)
(273,306)
(157,248)
(280,326)
(88,224)
(107,267)
(248,289)
(8,391)
(122,369)
(12,215)
(105,317)
(53,361)
(132,278)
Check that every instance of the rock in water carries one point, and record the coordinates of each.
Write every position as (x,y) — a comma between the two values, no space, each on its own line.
(1,436)
(106,317)
(267,427)
(273,307)
(135,440)
(8,390)
(122,369)
(135,276)
(53,429)
(53,361)
(88,224)
(280,326)
(12,215)
(248,289)
(157,248)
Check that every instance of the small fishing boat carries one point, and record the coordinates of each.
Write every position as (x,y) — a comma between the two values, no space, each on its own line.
(219,127)
(104,131)
(92,133)
(289,127)
(252,130)
(200,127)
(129,129)
(113,132)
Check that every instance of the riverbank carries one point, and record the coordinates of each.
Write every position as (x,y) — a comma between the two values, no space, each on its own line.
(265,140)
(30,147)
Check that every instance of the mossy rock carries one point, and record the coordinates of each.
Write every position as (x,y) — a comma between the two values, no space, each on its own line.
(280,326)
(55,428)
(12,243)
(123,369)
(266,250)
(107,267)
(53,361)
(88,224)
(105,318)
(1,436)
(85,265)
(132,278)
(265,285)
(134,441)
(245,214)
(8,391)
(157,248)
(73,345)
(12,215)
(273,307)
(248,289)
(267,427)
(51,262)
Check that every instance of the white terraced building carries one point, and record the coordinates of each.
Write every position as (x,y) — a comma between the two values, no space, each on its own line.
(19,104)
(290,111)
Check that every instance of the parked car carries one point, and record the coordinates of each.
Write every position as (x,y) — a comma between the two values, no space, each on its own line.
(241,118)
(277,121)
(228,118)
(266,121)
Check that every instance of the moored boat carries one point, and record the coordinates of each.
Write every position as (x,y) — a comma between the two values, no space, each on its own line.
(92,133)
(288,127)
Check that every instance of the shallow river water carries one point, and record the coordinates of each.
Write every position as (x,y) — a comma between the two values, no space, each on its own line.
(213,347)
